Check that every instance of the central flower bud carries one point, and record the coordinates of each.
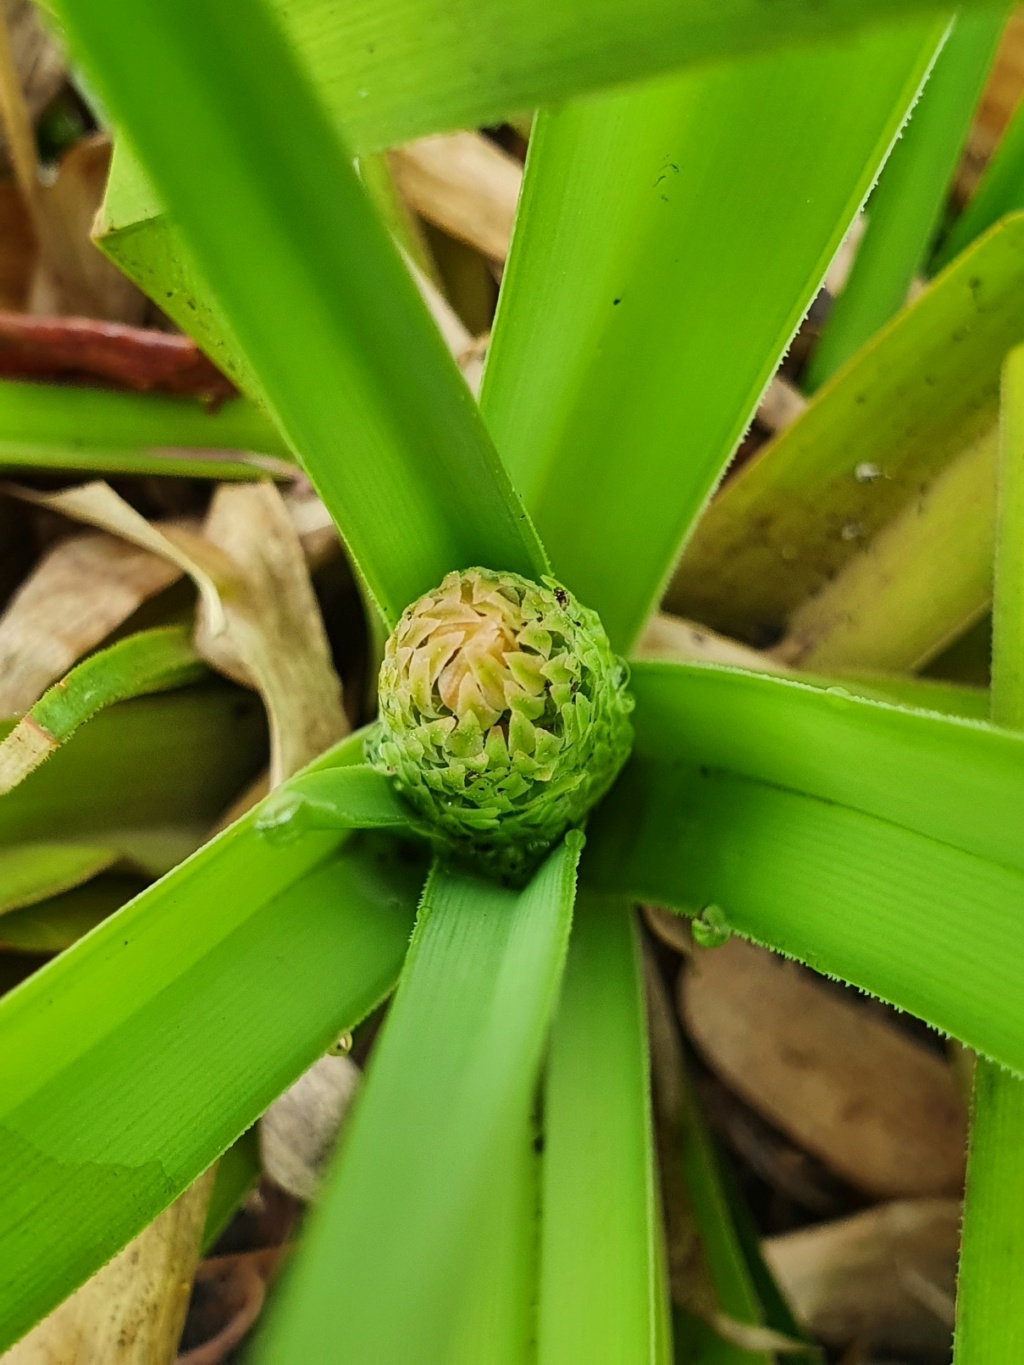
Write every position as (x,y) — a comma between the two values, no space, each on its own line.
(504,715)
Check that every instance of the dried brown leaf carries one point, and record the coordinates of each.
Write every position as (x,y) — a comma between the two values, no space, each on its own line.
(875,1106)
(781,404)
(140,358)
(98,505)
(671,637)
(71,274)
(232,1290)
(463,184)
(258,621)
(273,631)
(884,1278)
(17,247)
(82,590)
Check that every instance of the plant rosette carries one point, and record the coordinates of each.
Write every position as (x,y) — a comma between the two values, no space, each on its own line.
(504,716)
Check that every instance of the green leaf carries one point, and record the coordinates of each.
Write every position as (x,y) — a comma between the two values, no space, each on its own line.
(135,1058)
(1008,599)
(499,1322)
(354,797)
(923,694)
(999,191)
(237,1172)
(148,661)
(390,73)
(989,1320)
(951,779)
(353,368)
(447,1096)
(51,426)
(760,823)
(638,325)
(148,777)
(989,1315)
(923,391)
(927,575)
(933,930)
(601,1295)
(905,207)
(52,925)
(34,872)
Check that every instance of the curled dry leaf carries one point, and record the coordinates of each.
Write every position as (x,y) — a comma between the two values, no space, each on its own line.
(790,1171)
(81,591)
(230,1292)
(885,1277)
(259,621)
(463,184)
(131,1312)
(98,505)
(299,1130)
(70,275)
(876,1107)
(273,633)
(140,358)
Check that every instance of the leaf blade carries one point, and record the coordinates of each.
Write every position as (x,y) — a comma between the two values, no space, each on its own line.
(634,255)
(450,1087)
(600,1278)
(946,777)
(49,426)
(318,300)
(149,661)
(916,922)
(906,203)
(390,75)
(914,398)
(195,976)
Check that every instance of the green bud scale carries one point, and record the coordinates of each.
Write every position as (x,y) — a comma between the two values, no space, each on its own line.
(504,715)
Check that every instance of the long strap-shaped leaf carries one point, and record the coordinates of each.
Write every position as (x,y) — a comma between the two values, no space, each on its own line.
(646,305)
(393,72)
(601,1286)
(49,426)
(319,302)
(148,661)
(163,763)
(917,922)
(999,191)
(989,1308)
(387,1262)
(130,1063)
(906,205)
(916,397)
(956,780)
